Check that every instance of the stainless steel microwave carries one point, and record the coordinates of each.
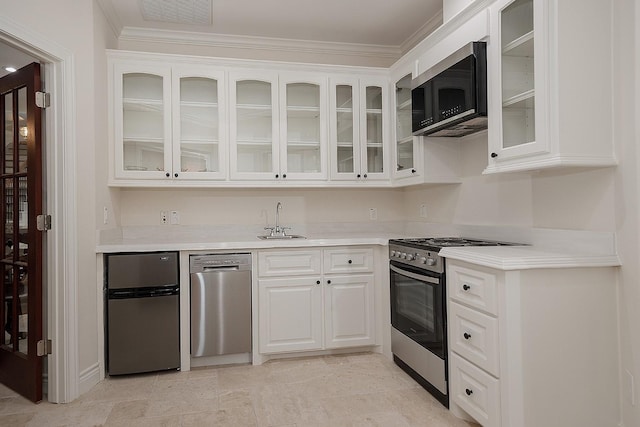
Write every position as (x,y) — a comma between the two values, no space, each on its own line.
(450,99)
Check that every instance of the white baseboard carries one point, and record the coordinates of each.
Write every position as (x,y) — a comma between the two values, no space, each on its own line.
(89,378)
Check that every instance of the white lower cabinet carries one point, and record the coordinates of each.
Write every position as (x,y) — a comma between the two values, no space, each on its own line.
(307,308)
(532,347)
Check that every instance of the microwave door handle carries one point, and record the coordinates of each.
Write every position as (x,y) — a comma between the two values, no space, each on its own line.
(415,276)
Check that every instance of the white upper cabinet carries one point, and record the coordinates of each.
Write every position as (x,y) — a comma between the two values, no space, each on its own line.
(142,121)
(547,80)
(406,146)
(199,124)
(254,125)
(168,123)
(358,128)
(278,126)
(303,125)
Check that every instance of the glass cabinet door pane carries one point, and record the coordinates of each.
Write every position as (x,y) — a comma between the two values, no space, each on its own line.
(303,128)
(23,131)
(143,122)
(9,130)
(345,128)
(199,127)
(518,94)
(374,129)
(404,138)
(254,140)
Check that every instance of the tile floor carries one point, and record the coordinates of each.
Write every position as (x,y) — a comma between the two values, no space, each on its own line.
(351,390)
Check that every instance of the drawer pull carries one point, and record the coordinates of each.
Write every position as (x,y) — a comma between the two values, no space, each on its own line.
(466,287)
(317,282)
(467,335)
(350,262)
(328,282)
(468,391)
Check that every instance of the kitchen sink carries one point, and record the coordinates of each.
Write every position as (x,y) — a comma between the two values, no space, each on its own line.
(285,237)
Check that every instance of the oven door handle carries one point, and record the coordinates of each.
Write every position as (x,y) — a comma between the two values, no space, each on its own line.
(415,276)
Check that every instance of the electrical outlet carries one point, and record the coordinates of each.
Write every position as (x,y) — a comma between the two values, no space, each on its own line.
(175,217)
(164,217)
(373,214)
(105,215)
(423,210)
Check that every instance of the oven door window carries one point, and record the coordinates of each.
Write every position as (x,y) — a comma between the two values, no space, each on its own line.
(417,309)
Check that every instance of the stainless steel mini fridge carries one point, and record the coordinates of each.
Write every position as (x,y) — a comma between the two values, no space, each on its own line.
(143,312)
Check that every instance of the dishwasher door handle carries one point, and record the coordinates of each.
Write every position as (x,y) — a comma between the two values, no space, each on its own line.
(220,268)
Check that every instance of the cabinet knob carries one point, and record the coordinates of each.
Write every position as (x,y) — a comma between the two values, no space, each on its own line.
(494,155)
(468,391)
(284,175)
(277,176)
(413,171)
(365,175)
(317,282)
(466,287)
(358,175)
(467,335)
(168,174)
(328,282)
(176,174)
(350,262)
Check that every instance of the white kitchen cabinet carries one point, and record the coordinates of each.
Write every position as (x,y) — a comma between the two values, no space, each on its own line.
(358,128)
(547,86)
(406,145)
(278,126)
(168,122)
(533,347)
(315,299)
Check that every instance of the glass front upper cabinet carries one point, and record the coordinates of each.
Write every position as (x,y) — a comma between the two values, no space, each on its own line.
(404,138)
(254,130)
(518,90)
(374,131)
(303,106)
(143,129)
(199,142)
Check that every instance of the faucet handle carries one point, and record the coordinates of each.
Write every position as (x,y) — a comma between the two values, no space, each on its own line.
(284,230)
(271,230)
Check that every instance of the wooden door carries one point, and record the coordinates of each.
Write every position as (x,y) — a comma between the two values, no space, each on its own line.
(21,253)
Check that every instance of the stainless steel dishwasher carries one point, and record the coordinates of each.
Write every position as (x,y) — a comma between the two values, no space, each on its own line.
(220,304)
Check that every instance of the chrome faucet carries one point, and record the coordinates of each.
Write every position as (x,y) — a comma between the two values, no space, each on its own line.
(278,209)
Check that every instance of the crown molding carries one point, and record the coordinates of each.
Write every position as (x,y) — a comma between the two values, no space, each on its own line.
(421,33)
(111,16)
(137,34)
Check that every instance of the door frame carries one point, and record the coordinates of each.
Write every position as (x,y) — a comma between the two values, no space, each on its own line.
(60,249)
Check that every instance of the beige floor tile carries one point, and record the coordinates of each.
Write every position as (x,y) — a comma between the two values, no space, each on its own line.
(355,390)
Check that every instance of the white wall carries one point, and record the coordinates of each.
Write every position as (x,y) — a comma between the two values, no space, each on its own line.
(69,24)
(626,88)
(257,206)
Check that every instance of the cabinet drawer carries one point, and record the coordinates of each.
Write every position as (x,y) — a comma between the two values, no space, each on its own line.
(288,263)
(475,288)
(348,260)
(475,391)
(474,336)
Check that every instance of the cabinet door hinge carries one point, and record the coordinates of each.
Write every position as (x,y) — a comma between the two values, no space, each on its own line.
(43,222)
(43,99)
(43,347)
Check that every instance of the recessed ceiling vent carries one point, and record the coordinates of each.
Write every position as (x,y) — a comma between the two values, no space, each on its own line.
(177,11)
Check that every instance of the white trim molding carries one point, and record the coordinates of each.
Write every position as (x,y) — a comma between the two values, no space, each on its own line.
(60,250)
(89,378)
(147,35)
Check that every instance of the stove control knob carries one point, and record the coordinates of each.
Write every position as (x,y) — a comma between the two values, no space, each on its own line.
(403,255)
(422,260)
(411,257)
(431,262)
(393,253)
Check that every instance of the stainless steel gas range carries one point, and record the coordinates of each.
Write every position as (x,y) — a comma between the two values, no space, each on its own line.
(418,308)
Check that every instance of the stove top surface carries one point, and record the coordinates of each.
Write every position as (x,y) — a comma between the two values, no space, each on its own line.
(442,242)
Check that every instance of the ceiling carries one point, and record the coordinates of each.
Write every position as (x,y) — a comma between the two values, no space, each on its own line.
(388,23)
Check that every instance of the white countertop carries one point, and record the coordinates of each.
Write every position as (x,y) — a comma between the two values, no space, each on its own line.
(527,257)
(548,248)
